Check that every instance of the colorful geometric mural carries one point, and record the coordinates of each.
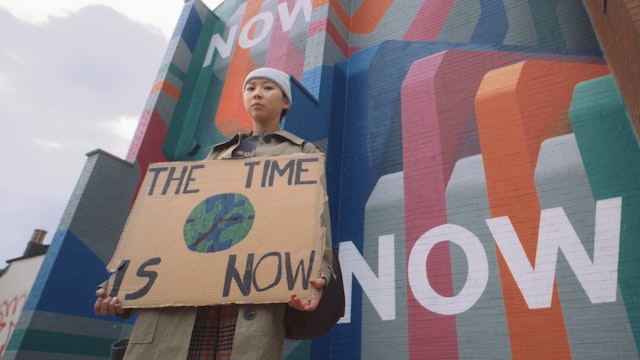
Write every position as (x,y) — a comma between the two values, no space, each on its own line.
(482,173)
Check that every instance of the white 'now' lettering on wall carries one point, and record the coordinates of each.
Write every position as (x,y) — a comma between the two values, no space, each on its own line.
(266,20)
(599,278)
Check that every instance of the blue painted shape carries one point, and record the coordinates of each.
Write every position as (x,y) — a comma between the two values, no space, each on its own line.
(192,27)
(68,278)
(306,117)
(373,129)
(493,25)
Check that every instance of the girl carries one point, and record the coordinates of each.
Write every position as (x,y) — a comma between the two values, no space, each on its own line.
(247,331)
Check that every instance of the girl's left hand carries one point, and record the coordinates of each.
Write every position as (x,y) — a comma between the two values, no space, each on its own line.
(308,305)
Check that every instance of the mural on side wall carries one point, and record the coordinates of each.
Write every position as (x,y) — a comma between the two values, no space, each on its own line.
(482,170)
(10,308)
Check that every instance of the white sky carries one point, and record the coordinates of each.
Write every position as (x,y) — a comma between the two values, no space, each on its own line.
(74,77)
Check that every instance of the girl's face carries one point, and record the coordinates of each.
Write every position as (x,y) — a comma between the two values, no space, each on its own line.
(264,101)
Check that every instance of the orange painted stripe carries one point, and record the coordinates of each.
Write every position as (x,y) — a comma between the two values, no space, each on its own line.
(232,116)
(366,18)
(317,3)
(518,107)
(167,88)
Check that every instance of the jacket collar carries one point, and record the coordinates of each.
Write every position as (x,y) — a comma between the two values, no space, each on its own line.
(244,134)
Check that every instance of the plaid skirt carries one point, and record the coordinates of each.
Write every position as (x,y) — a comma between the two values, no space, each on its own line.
(212,336)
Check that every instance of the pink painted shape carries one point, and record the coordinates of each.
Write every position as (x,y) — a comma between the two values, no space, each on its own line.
(437,100)
(282,52)
(431,335)
(146,146)
(318,27)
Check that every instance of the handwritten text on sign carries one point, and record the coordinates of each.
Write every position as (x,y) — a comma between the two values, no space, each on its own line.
(222,231)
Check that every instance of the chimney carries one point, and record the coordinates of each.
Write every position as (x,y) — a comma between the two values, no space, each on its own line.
(38,236)
(35,246)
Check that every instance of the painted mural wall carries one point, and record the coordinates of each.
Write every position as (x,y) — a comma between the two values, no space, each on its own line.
(15,285)
(482,170)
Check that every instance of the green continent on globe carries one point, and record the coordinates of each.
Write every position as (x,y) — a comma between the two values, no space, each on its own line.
(218,223)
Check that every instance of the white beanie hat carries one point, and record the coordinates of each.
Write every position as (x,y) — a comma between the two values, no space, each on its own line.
(281,78)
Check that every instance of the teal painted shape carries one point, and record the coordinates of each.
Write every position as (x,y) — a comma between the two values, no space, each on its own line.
(301,351)
(611,156)
(191,122)
(545,19)
(58,343)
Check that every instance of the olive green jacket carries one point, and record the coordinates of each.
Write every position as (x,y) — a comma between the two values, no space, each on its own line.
(165,333)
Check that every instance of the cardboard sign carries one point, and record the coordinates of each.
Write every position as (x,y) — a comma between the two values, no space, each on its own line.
(223,231)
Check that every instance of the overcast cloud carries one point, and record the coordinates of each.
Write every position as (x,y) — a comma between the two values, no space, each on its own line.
(69,84)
